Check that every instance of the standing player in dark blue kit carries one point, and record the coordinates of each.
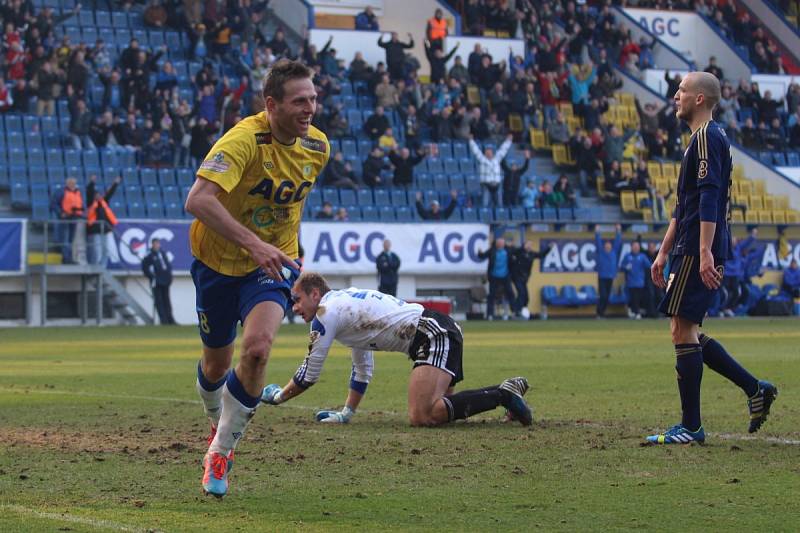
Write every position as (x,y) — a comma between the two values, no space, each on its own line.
(699,240)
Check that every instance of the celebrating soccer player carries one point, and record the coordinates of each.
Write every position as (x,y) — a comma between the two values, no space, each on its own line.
(699,240)
(367,320)
(248,202)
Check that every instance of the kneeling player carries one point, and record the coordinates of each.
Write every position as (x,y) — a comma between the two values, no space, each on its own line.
(367,320)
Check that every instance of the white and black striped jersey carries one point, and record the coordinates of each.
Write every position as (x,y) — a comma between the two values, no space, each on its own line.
(363,320)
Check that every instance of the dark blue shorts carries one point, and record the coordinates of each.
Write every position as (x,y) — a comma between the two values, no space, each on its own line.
(223,301)
(687,296)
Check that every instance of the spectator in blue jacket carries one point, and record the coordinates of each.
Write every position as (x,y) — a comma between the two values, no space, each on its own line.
(607,259)
(732,280)
(637,267)
(366,20)
(791,280)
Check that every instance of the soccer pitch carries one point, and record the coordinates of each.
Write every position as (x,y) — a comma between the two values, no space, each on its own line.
(101,430)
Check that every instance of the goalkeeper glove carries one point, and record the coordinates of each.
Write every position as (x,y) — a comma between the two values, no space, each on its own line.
(272,394)
(335,417)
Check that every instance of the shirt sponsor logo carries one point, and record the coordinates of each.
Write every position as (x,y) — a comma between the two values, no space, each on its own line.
(268,165)
(313,144)
(264,137)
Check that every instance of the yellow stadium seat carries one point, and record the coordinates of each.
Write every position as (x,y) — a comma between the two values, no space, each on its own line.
(654,169)
(764,217)
(489,33)
(627,166)
(759,187)
(781,202)
(627,99)
(779,217)
(627,202)
(640,197)
(560,154)
(792,217)
(473,95)
(746,187)
(769,202)
(538,140)
(503,35)
(756,201)
(647,215)
(738,171)
(737,217)
(515,123)
(751,216)
(669,171)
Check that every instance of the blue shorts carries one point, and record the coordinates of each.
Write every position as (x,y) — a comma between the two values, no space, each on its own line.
(687,296)
(223,301)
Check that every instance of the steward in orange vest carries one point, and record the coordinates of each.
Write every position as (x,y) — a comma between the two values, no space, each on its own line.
(437,30)
(99,211)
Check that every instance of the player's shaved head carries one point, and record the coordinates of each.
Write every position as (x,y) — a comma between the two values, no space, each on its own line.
(309,281)
(706,84)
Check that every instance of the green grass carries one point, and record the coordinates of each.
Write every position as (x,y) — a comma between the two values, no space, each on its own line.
(101,429)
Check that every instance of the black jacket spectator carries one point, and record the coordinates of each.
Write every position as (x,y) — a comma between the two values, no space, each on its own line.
(404,164)
(434,212)
(512,180)
(438,61)
(103,225)
(372,167)
(388,264)
(376,125)
(395,54)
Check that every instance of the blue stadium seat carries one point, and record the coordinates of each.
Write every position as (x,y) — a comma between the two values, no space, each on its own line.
(37,174)
(31,123)
(91,158)
(135,19)
(171,193)
(173,41)
(369,213)
(434,164)
(108,156)
(386,213)
(36,156)
(382,197)
(15,140)
(569,295)
(103,19)
(348,197)
(133,193)
(130,176)
(314,198)
(40,212)
(33,139)
(404,214)
(549,294)
(86,18)
(119,19)
(185,177)
(441,182)
(445,150)
(148,176)
(501,214)
(486,215)
(587,294)
(364,147)
(458,182)
(118,206)
(57,173)
(349,147)
(460,150)
(399,197)
(793,159)
(166,176)
(451,166)
(151,192)
(20,195)
(467,166)
(424,181)
(778,159)
(329,194)
(155,209)
(89,35)
(469,214)
(365,197)
(517,214)
(49,124)
(156,38)
(173,210)
(354,119)
(122,37)
(141,36)
(13,122)
(765,157)
(366,103)
(72,158)
(136,209)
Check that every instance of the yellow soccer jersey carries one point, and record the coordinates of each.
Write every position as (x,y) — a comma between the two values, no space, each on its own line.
(265,184)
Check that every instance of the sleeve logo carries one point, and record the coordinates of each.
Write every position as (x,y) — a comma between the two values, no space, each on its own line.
(217,163)
(703,171)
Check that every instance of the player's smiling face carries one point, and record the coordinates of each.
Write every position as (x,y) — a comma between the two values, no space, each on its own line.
(292,116)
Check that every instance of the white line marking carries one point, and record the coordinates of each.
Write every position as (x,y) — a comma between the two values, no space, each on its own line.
(734,436)
(66,517)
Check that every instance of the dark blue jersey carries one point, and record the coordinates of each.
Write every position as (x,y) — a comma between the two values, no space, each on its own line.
(703,192)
